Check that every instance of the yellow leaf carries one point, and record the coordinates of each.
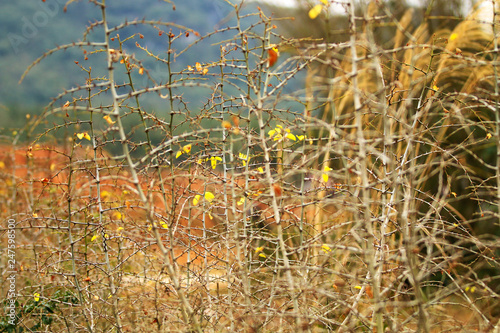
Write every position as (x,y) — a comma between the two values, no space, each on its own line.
(326,168)
(262,255)
(204,71)
(259,249)
(196,199)
(488,136)
(325,2)
(325,177)
(453,36)
(214,160)
(244,158)
(36,296)
(209,196)
(164,225)
(109,120)
(179,153)
(357,287)
(94,237)
(260,169)
(198,67)
(291,137)
(84,135)
(187,148)
(326,248)
(241,201)
(315,11)
(301,137)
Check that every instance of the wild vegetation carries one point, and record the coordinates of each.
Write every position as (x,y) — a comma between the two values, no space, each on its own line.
(367,200)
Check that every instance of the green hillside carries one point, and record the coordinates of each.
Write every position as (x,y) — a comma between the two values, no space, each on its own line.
(35,27)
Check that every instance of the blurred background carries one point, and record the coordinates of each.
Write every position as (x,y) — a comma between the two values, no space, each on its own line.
(31,28)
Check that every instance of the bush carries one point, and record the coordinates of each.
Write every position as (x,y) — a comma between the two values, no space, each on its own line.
(366,200)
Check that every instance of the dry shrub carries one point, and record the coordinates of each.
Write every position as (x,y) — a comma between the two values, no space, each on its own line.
(354,204)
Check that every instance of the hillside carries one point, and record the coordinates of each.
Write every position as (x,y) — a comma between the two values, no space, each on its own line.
(35,27)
